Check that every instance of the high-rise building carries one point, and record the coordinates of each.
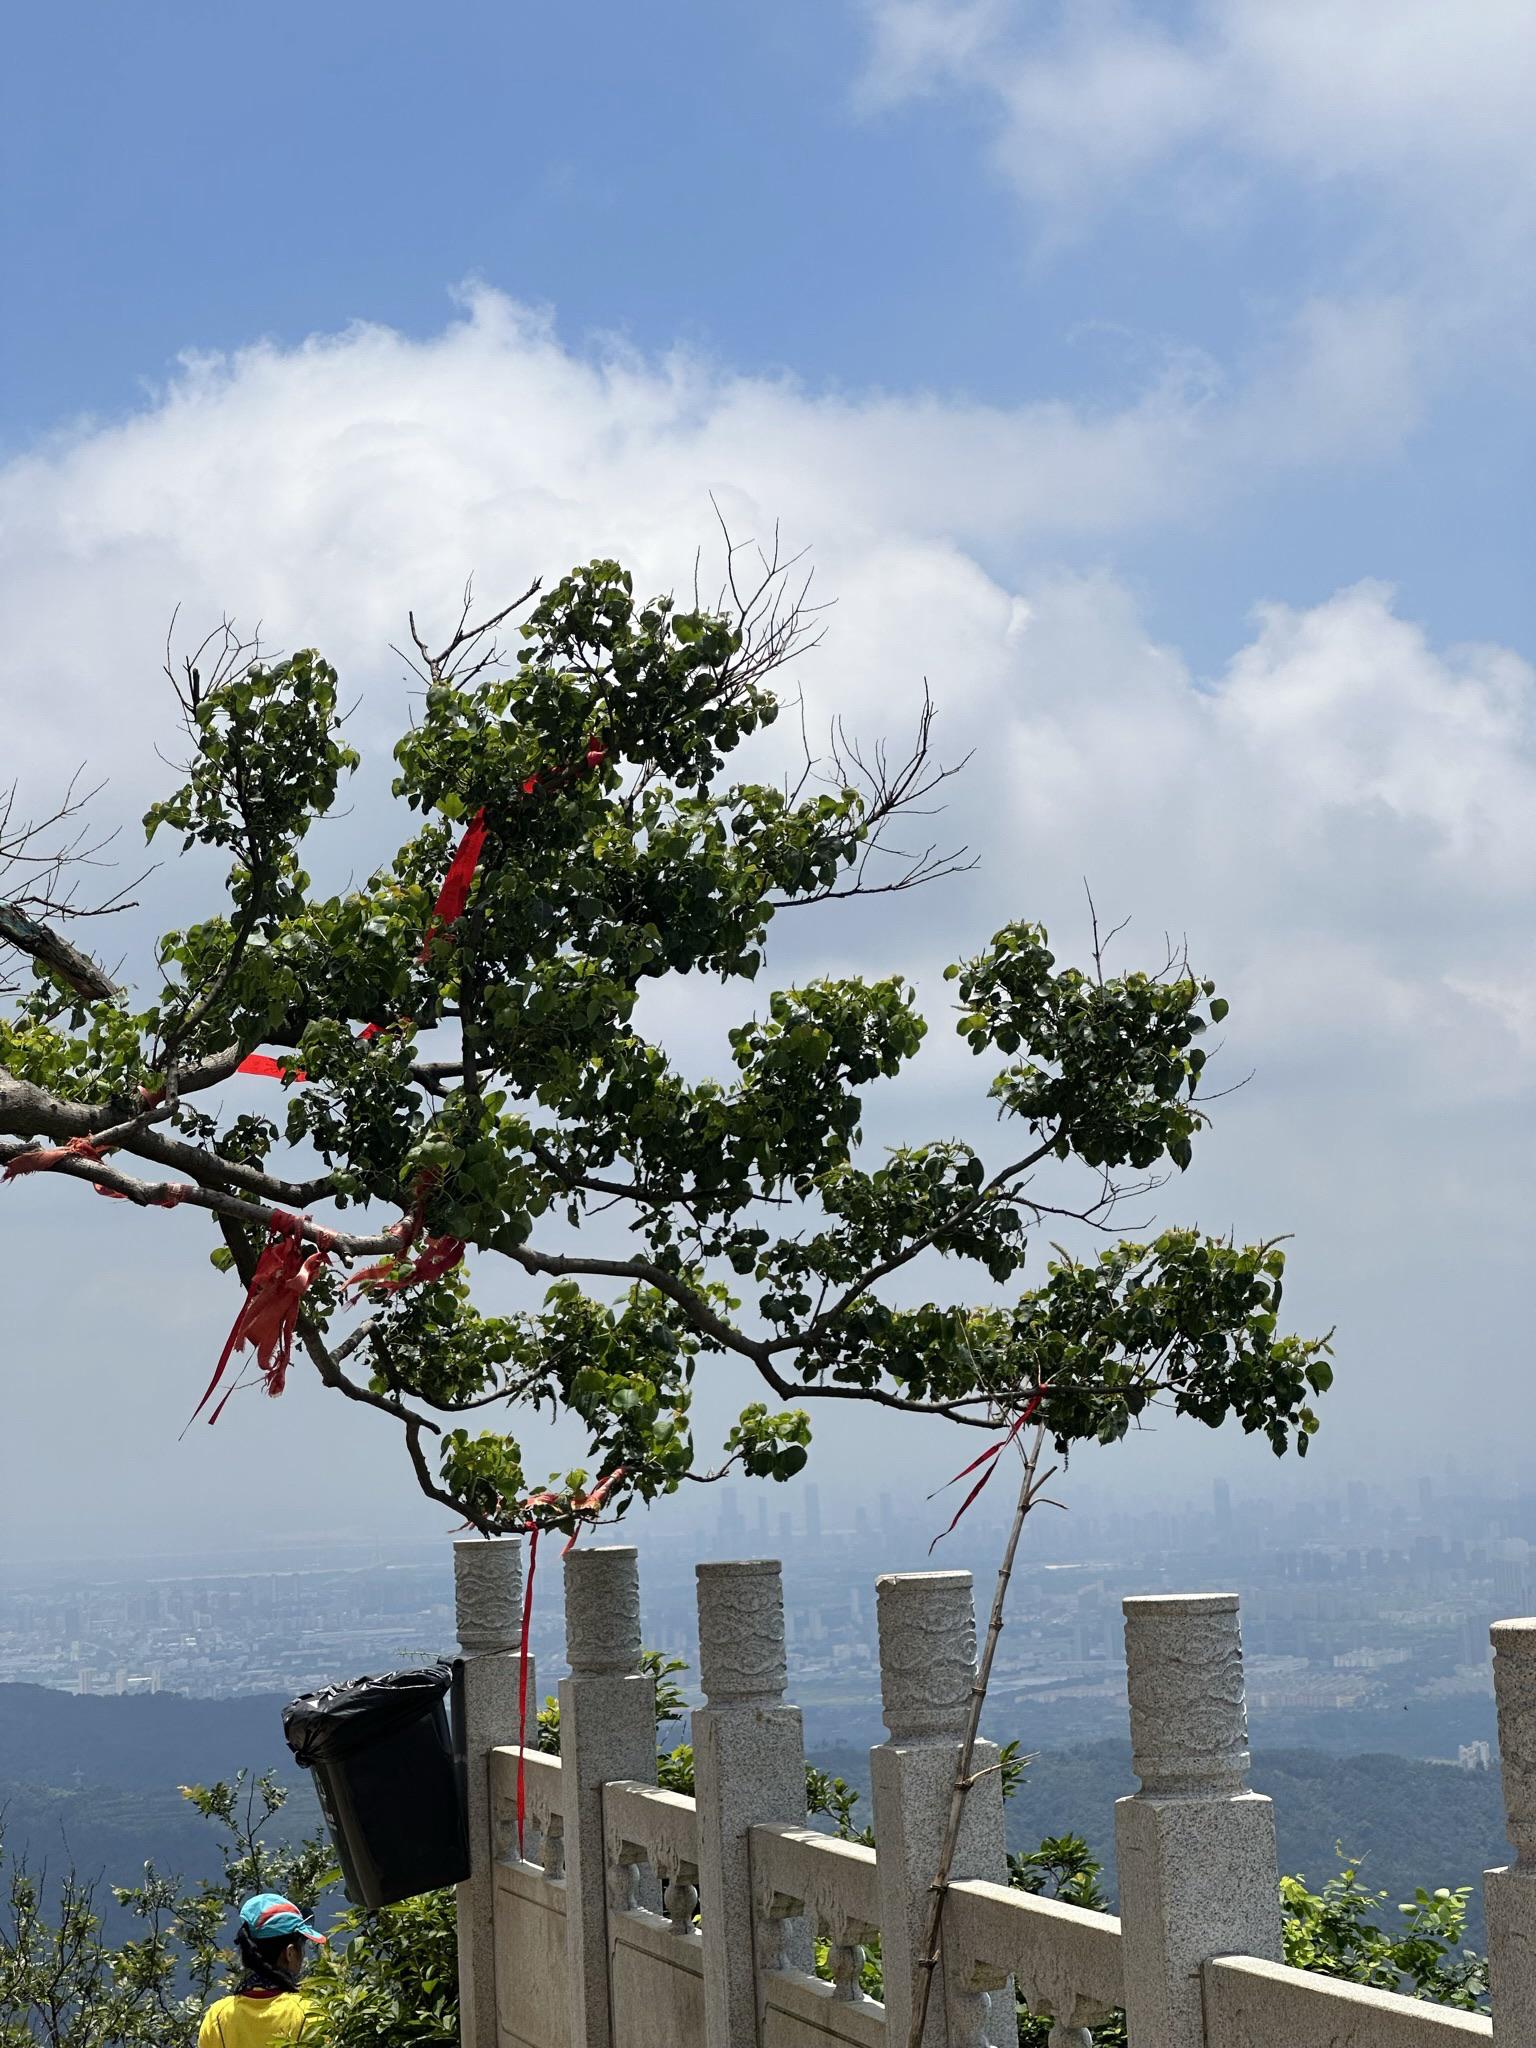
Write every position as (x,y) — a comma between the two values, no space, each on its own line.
(813,1513)
(1221,1501)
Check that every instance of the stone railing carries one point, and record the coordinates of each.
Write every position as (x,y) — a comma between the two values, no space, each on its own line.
(631,1917)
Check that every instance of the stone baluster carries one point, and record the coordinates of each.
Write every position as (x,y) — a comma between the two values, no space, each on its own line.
(1195,1849)
(927,1629)
(488,1597)
(749,1770)
(1509,1894)
(607,1730)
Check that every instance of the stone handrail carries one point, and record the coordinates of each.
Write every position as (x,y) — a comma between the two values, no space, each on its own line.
(543,1807)
(1253,2004)
(1065,1961)
(799,1872)
(562,1945)
(642,1825)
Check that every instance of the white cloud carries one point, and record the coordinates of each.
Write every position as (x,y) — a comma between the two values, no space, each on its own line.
(1428,102)
(1341,820)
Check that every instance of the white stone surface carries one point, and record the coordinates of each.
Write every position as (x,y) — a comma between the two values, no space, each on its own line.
(488,1593)
(1254,2004)
(532,1987)
(1195,1852)
(602,1610)
(741,1632)
(749,1767)
(1189,1716)
(1065,1961)
(927,1629)
(607,1731)
(488,1585)
(1509,1895)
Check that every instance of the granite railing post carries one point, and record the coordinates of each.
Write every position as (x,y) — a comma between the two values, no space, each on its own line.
(488,1598)
(1509,1894)
(607,1730)
(927,1629)
(1195,1848)
(748,1770)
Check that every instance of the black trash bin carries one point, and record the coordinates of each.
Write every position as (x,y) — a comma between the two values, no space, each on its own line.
(390,1785)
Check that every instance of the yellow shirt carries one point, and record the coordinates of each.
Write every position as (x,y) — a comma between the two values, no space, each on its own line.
(256,2022)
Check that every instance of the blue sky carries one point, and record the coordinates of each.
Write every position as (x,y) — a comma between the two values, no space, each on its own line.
(736,181)
(1156,379)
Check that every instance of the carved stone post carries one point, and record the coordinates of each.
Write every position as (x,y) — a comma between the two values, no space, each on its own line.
(607,1730)
(1509,1894)
(748,1769)
(488,1598)
(927,1629)
(1195,1848)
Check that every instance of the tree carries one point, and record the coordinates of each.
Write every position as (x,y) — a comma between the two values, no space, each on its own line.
(461,1063)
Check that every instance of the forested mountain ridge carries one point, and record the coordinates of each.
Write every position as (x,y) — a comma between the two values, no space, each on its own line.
(94,1780)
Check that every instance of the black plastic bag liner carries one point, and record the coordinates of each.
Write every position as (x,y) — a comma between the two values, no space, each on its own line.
(322,1726)
(390,1784)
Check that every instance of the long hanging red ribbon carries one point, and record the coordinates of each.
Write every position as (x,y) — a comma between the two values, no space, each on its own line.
(269,1315)
(454,894)
(585,1504)
(988,1458)
(522,1682)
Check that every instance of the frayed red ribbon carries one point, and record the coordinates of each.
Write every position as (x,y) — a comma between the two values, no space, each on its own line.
(988,1458)
(269,1315)
(169,1195)
(439,1255)
(45,1157)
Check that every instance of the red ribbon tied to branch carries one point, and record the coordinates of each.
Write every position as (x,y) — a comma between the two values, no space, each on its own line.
(988,1458)
(270,1069)
(454,894)
(42,1158)
(583,1506)
(269,1315)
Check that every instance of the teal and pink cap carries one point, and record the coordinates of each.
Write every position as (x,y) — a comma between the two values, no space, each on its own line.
(269,1916)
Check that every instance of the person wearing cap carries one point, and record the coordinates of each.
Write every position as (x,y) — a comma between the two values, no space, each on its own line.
(269,2008)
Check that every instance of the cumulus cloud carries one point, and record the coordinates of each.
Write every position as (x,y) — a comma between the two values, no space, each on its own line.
(1340,819)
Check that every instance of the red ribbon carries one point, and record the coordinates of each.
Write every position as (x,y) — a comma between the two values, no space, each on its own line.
(270,1069)
(269,1315)
(988,1458)
(579,1505)
(44,1157)
(522,1685)
(169,1195)
(454,894)
(439,1255)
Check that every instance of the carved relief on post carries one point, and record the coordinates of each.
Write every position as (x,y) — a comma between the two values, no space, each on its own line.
(741,1633)
(1189,1716)
(602,1612)
(927,1631)
(488,1593)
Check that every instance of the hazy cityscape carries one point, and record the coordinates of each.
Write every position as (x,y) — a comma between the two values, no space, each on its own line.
(1369,1609)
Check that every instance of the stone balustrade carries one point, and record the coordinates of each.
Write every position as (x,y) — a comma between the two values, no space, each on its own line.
(543,1811)
(830,1888)
(635,1917)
